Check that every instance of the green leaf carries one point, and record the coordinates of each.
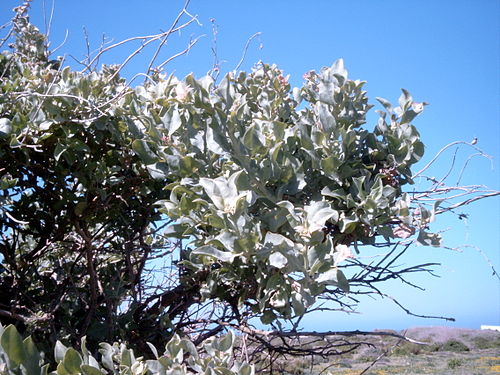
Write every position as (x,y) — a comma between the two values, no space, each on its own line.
(7,183)
(213,190)
(326,118)
(142,149)
(342,281)
(274,281)
(90,370)
(334,276)
(153,349)
(405,100)
(59,351)
(330,166)
(107,351)
(408,116)
(32,362)
(246,369)
(253,139)
(83,346)
(13,346)
(59,150)
(387,105)
(339,70)
(72,361)
(211,251)
(187,166)
(274,217)
(44,370)
(298,304)
(127,357)
(5,127)
(172,120)
(348,224)
(337,193)
(226,344)
(61,369)
(175,349)
(277,260)
(318,213)
(268,317)
(189,347)
(429,239)
(159,170)
(275,241)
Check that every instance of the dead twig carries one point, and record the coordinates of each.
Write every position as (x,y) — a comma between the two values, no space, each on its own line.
(246,49)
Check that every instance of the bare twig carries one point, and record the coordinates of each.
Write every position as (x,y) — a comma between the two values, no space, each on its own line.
(246,49)
(215,71)
(416,315)
(465,166)
(7,213)
(486,258)
(60,44)
(382,355)
(170,31)
(48,23)
(15,316)
(436,157)
(183,52)
(467,202)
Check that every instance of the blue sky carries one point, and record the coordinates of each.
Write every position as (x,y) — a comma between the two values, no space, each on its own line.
(444,52)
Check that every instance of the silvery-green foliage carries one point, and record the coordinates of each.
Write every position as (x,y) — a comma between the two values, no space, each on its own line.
(268,186)
(258,178)
(21,357)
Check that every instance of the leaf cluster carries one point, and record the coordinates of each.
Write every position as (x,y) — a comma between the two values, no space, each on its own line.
(180,357)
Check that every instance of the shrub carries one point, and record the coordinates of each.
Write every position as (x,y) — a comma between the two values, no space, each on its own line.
(454,363)
(406,348)
(486,343)
(454,346)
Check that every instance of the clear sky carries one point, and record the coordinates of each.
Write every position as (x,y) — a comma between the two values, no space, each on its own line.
(444,52)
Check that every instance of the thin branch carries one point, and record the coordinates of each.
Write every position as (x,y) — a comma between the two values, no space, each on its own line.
(488,260)
(293,334)
(467,202)
(48,24)
(416,315)
(471,144)
(246,49)
(382,355)
(104,50)
(183,52)
(450,169)
(61,44)
(169,32)
(465,166)
(15,316)
(215,71)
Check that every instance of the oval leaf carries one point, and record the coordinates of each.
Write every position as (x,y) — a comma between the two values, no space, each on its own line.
(72,361)
(12,344)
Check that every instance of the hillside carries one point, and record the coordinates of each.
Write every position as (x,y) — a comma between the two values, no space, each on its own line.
(448,351)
